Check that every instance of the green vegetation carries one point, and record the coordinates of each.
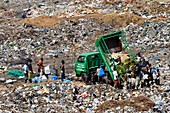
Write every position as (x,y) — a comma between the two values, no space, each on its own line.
(126,66)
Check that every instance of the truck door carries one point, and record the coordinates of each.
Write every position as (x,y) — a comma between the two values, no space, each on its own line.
(80,66)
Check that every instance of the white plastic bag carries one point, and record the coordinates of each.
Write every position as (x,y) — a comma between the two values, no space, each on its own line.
(47,69)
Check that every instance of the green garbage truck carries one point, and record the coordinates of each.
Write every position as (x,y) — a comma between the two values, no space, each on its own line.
(113,54)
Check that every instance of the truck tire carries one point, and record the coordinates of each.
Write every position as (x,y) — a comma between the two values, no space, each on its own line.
(84,77)
(77,75)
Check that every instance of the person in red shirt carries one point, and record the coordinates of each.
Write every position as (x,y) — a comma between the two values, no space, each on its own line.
(40,66)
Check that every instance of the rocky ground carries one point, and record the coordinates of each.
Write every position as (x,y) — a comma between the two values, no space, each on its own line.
(63,29)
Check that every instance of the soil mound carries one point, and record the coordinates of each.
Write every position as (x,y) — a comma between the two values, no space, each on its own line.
(140,103)
(113,18)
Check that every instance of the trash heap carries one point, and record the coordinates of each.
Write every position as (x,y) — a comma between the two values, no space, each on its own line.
(69,8)
(79,97)
(23,42)
(63,29)
(152,40)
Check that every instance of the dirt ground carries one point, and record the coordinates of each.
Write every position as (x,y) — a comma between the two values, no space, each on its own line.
(117,19)
(141,103)
(162,0)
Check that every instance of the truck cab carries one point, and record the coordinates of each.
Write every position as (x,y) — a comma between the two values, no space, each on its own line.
(87,63)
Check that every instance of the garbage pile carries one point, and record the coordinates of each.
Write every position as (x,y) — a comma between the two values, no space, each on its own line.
(63,29)
(69,8)
(79,97)
(22,42)
(153,38)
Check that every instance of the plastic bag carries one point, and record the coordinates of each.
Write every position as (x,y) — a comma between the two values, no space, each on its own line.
(47,70)
(101,72)
(37,79)
(54,77)
(67,80)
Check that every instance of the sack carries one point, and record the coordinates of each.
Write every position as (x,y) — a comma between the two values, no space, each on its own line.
(101,72)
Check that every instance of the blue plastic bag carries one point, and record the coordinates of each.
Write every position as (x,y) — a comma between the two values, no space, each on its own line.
(153,71)
(160,104)
(37,79)
(54,77)
(101,72)
(67,80)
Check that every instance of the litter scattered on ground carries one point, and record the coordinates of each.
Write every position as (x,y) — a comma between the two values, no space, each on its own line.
(63,29)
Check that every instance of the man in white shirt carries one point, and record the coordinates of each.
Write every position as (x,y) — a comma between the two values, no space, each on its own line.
(115,74)
(115,78)
(26,70)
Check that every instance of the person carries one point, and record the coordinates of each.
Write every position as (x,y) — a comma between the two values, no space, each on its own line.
(154,74)
(150,74)
(94,78)
(30,65)
(138,56)
(40,66)
(130,81)
(146,81)
(137,82)
(143,62)
(30,72)
(158,77)
(26,70)
(100,73)
(97,75)
(142,79)
(62,70)
(75,91)
(115,78)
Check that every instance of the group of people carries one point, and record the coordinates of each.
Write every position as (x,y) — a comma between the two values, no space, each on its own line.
(143,75)
(28,70)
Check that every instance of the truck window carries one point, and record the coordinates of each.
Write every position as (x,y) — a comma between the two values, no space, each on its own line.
(81,59)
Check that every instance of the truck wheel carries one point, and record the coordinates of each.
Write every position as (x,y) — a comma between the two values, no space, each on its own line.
(84,76)
(77,75)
